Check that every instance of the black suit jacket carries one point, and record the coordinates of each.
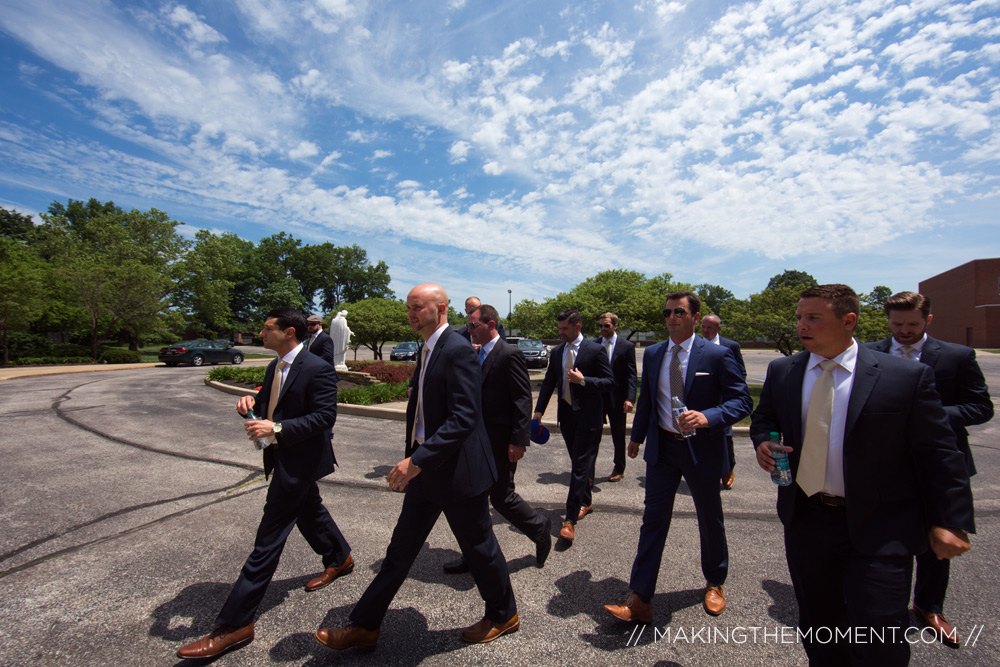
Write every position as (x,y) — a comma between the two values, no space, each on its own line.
(323,347)
(960,383)
(588,402)
(623,371)
(902,470)
(735,348)
(455,457)
(307,410)
(506,397)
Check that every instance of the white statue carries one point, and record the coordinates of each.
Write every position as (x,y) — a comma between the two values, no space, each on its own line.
(341,335)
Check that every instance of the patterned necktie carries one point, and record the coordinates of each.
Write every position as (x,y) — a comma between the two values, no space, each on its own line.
(676,378)
(811,474)
(907,351)
(418,417)
(570,362)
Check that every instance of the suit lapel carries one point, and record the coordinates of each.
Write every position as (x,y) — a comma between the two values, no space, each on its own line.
(293,372)
(491,358)
(793,402)
(931,352)
(692,367)
(866,372)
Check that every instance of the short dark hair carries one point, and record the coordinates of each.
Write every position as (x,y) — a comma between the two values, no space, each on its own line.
(610,316)
(694,303)
(572,315)
(488,313)
(844,299)
(908,301)
(290,318)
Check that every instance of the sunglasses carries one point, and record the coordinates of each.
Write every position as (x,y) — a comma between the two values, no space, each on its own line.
(679,312)
(476,325)
(604,326)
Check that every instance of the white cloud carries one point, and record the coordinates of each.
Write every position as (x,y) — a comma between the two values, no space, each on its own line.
(303,150)
(459,151)
(381,154)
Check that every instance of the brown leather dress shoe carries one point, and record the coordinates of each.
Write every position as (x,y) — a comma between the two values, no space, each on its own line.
(486,630)
(729,480)
(945,632)
(584,511)
(353,636)
(632,609)
(331,573)
(616,476)
(223,638)
(568,532)
(715,600)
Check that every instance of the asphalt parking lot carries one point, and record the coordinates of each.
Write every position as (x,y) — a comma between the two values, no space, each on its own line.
(130,499)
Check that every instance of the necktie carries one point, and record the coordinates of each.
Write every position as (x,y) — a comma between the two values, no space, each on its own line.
(676,378)
(811,474)
(310,343)
(907,351)
(482,355)
(607,347)
(570,362)
(272,401)
(418,417)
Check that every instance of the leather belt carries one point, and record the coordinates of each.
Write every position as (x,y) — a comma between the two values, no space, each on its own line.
(672,434)
(828,500)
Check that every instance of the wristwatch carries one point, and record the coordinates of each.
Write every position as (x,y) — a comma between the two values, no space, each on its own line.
(276,428)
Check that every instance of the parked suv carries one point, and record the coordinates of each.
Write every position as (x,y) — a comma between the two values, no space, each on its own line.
(535,352)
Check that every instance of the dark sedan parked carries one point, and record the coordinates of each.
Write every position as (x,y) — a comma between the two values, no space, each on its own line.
(405,351)
(198,352)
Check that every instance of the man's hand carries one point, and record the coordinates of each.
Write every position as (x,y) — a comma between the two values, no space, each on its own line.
(948,542)
(259,428)
(633,449)
(692,419)
(574,376)
(245,403)
(515,453)
(764,450)
(627,408)
(402,473)
(537,416)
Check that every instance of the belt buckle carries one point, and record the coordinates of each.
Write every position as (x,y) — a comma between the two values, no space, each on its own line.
(830,500)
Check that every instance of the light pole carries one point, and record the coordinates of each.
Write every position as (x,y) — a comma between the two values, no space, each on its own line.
(509,308)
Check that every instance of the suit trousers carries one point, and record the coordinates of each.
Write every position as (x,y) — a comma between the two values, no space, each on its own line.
(837,587)
(931,582)
(581,444)
(510,504)
(616,422)
(662,480)
(284,509)
(470,521)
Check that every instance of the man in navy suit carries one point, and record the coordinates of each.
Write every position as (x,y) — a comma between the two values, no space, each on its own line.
(448,468)
(621,399)
(299,400)
(507,415)
(966,398)
(710,325)
(319,342)
(877,478)
(707,380)
(579,389)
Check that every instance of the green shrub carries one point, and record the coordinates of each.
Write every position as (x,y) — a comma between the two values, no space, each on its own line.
(116,355)
(39,361)
(23,344)
(373,394)
(68,350)
(251,374)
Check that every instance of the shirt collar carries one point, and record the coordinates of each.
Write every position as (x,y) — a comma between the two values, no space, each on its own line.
(490,345)
(294,352)
(685,344)
(847,359)
(918,346)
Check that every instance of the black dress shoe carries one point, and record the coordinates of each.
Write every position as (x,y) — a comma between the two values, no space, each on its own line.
(456,567)
(544,546)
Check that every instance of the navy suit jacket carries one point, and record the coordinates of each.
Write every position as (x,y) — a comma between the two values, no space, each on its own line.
(623,370)
(455,458)
(323,347)
(733,346)
(588,402)
(307,410)
(902,470)
(713,385)
(960,383)
(506,397)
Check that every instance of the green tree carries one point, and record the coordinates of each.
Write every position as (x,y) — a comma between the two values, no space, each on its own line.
(768,316)
(792,278)
(212,285)
(15,225)
(713,297)
(377,321)
(347,275)
(23,279)
(117,267)
(872,322)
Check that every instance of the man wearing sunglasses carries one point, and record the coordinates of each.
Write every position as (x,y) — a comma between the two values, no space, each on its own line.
(621,399)
(707,379)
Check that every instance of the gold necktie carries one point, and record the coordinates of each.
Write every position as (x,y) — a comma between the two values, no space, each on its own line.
(811,474)
(272,401)
(907,351)
(570,361)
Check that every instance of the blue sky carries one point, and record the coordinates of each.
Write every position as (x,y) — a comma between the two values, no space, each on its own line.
(526,145)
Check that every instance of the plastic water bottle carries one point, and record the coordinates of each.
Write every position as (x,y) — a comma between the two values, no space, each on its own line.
(259,443)
(680,408)
(782,473)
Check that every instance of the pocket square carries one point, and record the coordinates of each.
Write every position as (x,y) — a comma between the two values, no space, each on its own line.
(700,373)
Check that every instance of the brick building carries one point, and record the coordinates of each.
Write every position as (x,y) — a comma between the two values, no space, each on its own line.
(965,302)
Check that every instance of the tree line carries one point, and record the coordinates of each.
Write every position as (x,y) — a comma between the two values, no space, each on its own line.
(101,273)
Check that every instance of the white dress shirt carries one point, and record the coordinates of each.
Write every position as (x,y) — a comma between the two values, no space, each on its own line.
(664,400)
(418,418)
(896,349)
(843,381)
